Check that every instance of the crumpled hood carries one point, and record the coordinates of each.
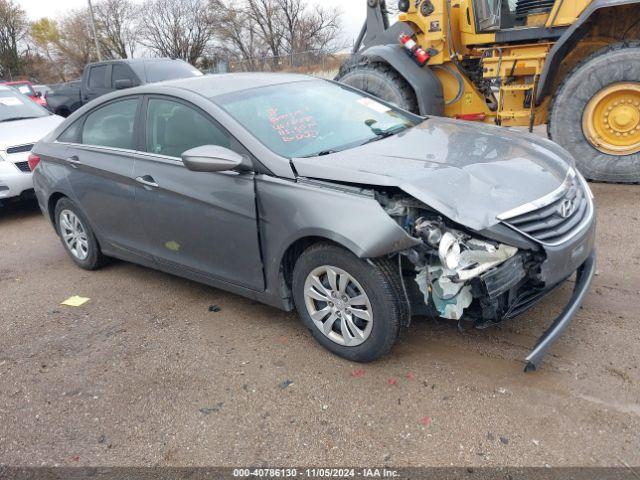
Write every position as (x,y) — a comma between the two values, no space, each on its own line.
(469,172)
(21,132)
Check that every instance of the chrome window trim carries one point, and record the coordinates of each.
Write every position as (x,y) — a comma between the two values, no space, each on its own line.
(154,156)
(85,146)
(178,162)
(159,156)
(542,201)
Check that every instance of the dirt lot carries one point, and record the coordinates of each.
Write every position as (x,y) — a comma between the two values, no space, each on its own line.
(145,374)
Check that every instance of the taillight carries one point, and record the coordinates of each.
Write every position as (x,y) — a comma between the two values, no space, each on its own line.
(33,161)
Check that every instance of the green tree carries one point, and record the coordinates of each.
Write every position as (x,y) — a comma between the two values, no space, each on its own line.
(45,36)
(13,30)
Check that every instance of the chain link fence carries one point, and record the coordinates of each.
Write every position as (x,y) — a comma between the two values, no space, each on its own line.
(314,62)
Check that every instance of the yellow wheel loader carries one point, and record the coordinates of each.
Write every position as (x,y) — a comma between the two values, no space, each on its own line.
(571,64)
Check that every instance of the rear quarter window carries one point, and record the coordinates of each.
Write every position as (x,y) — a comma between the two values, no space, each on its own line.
(169,70)
(72,133)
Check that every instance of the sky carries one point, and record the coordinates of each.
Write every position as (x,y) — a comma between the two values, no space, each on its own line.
(354,11)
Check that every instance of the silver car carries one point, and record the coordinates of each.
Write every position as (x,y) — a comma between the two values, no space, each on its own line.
(22,123)
(307,194)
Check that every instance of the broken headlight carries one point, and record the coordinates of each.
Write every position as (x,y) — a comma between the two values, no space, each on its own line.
(453,259)
(449,251)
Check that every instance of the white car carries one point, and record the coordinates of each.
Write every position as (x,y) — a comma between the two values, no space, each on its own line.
(22,123)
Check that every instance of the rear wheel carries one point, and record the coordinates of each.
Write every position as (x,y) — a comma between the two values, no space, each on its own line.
(381,81)
(352,307)
(596,114)
(77,236)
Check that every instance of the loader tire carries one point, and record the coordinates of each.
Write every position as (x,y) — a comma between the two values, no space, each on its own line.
(381,81)
(595,114)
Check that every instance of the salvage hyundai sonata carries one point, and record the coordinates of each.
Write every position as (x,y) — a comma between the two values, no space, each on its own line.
(306,194)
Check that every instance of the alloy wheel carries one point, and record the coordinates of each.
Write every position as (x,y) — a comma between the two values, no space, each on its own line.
(74,234)
(338,305)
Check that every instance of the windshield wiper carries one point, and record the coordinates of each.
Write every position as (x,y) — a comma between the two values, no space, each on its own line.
(382,134)
(322,153)
(326,152)
(11,119)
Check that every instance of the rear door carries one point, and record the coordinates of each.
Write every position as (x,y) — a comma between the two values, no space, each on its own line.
(97,82)
(100,157)
(202,222)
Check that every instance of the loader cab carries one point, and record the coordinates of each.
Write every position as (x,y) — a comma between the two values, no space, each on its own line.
(498,15)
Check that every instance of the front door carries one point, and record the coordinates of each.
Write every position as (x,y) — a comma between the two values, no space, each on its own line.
(200,221)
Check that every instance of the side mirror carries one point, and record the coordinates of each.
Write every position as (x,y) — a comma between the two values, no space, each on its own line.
(38,94)
(123,83)
(211,158)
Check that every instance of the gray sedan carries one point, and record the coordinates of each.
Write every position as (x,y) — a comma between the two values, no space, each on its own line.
(306,194)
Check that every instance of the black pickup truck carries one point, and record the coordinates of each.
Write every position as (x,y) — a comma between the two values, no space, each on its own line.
(103,77)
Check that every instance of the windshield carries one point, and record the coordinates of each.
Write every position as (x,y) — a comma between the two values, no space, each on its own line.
(169,70)
(24,88)
(14,106)
(309,118)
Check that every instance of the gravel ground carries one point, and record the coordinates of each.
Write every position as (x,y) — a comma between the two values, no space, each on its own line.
(145,374)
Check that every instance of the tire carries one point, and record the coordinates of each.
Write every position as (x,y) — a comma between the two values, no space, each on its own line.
(380,283)
(618,63)
(89,258)
(381,81)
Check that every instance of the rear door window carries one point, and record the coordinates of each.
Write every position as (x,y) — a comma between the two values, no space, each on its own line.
(173,128)
(112,125)
(98,76)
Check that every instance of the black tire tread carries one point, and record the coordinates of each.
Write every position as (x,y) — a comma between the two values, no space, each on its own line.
(96,260)
(563,89)
(407,94)
(393,295)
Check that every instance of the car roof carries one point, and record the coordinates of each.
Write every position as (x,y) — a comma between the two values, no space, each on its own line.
(217,84)
(135,61)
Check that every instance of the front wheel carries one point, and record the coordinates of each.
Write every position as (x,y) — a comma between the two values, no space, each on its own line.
(352,307)
(596,114)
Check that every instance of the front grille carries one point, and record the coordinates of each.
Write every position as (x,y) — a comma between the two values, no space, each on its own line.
(20,149)
(23,166)
(556,220)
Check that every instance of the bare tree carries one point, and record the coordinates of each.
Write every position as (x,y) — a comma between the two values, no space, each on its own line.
(306,28)
(117,30)
(238,38)
(267,16)
(75,43)
(177,28)
(281,29)
(13,29)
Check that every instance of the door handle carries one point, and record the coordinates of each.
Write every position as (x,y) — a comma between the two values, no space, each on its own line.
(147,181)
(74,161)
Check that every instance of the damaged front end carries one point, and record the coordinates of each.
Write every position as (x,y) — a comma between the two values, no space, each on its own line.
(459,275)
(462,275)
